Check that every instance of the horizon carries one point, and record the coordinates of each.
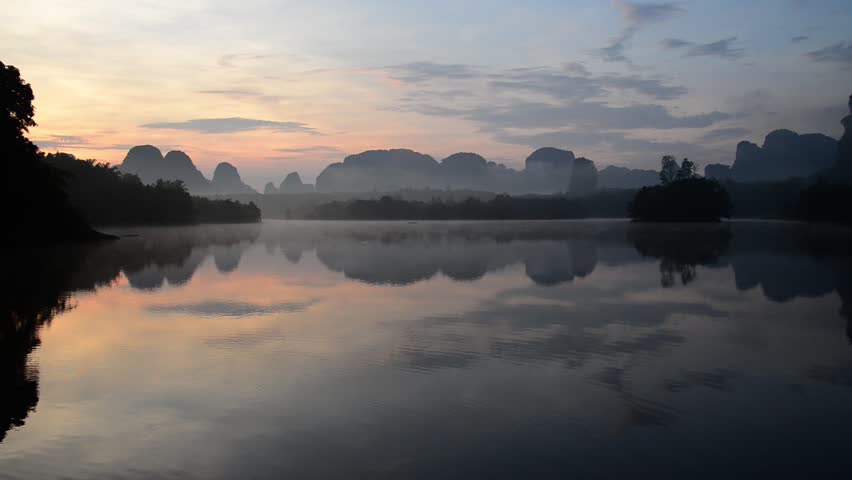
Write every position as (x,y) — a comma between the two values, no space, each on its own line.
(273,90)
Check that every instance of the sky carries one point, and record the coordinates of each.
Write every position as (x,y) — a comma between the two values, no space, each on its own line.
(273,86)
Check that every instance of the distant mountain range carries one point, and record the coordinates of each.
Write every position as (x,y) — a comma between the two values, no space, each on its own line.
(784,154)
(546,170)
(149,164)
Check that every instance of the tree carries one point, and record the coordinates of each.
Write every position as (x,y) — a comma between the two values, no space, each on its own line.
(16,102)
(668,170)
(16,116)
(687,170)
(33,193)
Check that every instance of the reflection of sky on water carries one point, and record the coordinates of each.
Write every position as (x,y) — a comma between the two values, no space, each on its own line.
(340,350)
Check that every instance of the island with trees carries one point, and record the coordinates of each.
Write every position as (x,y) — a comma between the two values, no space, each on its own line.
(681,196)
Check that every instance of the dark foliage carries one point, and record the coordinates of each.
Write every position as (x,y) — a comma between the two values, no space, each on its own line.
(688,200)
(501,207)
(105,196)
(224,211)
(826,202)
(36,206)
(765,199)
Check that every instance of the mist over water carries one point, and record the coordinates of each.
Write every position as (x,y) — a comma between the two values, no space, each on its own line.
(430,350)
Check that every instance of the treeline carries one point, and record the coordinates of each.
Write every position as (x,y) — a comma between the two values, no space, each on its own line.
(826,202)
(501,207)
(104,196)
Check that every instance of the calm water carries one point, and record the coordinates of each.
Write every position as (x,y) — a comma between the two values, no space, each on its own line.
(430,350)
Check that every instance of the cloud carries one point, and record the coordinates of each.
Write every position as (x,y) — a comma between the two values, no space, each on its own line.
(574,83)
(674,43)
(837,53)
(229,60)
(591,115)
(418,72)
(799,38)
(720,48)
(319,150)
(724,134)
(637,16)
(60,142)
(616,141)
(244,94)
(231,125)
(644,13)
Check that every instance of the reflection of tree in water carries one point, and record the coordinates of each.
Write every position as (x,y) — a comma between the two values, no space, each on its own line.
(680,249)
(35,289)
(38,283)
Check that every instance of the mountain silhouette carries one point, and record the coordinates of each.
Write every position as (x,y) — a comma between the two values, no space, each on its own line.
(292,183)
(623,177)
(784,154)
(717,171)
(149,164)
(584,178)
(547,170)
(226,179)
(379,170)
(843,161)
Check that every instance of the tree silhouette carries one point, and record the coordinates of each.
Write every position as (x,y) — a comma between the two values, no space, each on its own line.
(46,216)
(16,101)
(668,169)
(687,170)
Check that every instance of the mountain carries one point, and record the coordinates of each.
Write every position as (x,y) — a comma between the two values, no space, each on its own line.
(717,171)
(226,179)
(547,170)
(843,161)
(584,178)
(269,188)
(467,170)
(784,154)
(623,177)
(292,183)
(379,170)
(148,163)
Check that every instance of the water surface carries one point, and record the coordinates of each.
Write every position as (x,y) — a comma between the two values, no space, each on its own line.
(430,350)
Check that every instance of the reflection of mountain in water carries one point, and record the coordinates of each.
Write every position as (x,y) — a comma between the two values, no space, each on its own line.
(785,260)
(38,283)
(393,254)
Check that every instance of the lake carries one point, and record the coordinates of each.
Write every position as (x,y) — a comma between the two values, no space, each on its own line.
(587,349)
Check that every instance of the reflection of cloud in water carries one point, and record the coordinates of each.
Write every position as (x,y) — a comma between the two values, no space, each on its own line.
(231,309)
